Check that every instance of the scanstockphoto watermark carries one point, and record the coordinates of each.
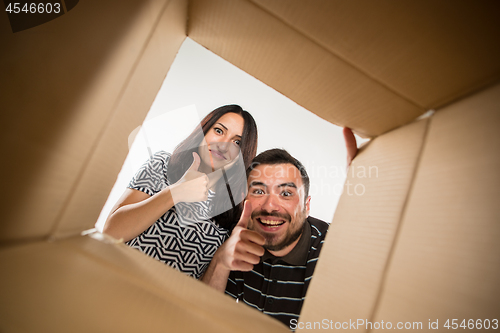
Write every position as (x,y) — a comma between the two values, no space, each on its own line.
(327,324)
(431,324)
(324,178)
(328,174)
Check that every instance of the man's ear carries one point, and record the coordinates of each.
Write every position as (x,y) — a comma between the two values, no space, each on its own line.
(308,205)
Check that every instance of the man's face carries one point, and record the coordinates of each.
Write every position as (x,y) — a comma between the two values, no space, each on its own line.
(279,210)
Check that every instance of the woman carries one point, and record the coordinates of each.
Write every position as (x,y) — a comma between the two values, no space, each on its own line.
(178,208)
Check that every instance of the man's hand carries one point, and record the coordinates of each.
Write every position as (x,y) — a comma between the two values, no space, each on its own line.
(239,253)
(244,248)
(350,144)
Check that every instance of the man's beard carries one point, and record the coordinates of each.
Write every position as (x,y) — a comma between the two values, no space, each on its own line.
(289,237)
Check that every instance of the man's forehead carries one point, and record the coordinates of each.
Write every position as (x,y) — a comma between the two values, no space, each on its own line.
(270,174)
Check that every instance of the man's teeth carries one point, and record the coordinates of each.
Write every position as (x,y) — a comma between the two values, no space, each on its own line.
(271,222)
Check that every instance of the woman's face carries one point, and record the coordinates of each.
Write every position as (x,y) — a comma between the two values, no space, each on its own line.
(222,142)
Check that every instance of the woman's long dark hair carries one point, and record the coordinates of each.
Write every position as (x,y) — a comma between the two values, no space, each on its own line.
(182,158)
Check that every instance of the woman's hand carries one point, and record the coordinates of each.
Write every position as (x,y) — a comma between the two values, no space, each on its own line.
(136,211)
(193,185)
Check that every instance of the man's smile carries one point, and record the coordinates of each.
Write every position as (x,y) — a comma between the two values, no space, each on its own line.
(270,222)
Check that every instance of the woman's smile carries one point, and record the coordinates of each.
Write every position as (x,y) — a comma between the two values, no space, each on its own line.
(217,154)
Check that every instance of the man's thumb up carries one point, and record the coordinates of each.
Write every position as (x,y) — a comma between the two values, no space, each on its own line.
(245,216)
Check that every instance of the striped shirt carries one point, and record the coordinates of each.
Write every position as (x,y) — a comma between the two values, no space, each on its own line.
(277,286)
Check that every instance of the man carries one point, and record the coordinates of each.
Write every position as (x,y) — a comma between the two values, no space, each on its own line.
(269,260)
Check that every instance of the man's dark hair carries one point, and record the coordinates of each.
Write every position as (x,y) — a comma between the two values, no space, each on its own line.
(281,156)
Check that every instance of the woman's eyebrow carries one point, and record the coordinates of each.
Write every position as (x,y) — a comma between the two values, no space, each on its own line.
(223,126)
(239,136)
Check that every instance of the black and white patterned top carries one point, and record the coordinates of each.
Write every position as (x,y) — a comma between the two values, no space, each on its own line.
(185,237)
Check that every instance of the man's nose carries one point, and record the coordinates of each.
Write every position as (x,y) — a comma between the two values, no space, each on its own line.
(271,203)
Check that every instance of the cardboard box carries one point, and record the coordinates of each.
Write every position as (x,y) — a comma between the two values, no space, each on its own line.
(419,246)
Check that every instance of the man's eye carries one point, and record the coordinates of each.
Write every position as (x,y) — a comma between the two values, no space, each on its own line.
(257,191)
(286,193)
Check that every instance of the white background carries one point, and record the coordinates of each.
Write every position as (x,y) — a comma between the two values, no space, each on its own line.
(198,82)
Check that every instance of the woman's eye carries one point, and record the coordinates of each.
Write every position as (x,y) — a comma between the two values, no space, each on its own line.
(237,142)
(218,130)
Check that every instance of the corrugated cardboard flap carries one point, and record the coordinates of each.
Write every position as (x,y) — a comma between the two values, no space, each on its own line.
(84,285)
